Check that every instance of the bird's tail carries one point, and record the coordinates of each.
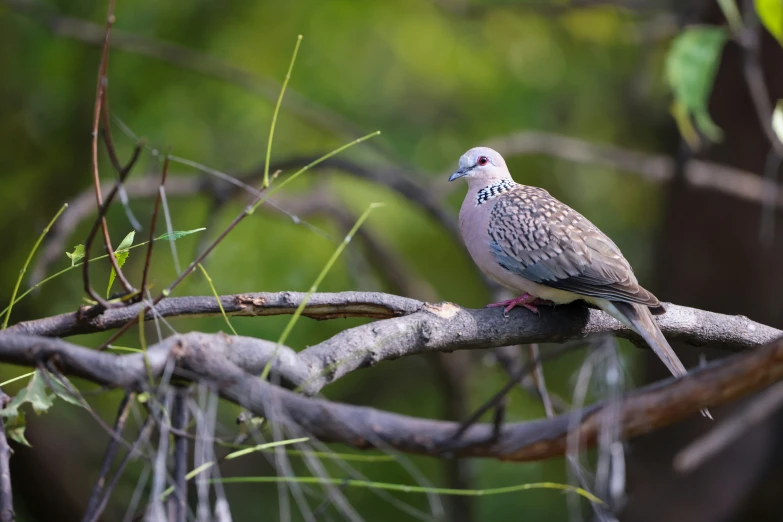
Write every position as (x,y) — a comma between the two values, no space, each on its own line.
(639,319)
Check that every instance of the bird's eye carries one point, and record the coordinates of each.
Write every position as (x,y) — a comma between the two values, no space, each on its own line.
(483,160)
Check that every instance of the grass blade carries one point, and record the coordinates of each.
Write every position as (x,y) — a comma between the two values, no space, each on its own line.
(403,488)
(277,110)
(310,165)
(217,298)
(235,455)
(317,283)
(26,263)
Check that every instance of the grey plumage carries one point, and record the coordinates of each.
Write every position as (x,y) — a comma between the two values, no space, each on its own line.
(533,244)
(541,239)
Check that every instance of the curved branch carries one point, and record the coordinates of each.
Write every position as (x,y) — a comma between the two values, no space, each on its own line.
(427,327)
(320,306)
(641,411)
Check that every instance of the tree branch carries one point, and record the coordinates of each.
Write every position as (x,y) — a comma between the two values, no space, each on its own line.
(417,327)
(320,306)
(641,411)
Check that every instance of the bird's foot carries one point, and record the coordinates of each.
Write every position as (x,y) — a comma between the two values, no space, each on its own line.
(525,300)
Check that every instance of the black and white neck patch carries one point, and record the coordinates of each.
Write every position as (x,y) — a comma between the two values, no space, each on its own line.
(497,188)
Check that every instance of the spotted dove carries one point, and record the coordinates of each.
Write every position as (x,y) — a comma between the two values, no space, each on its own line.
(531,243)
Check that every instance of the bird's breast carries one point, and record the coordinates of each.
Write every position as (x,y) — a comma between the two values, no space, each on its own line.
(474,223)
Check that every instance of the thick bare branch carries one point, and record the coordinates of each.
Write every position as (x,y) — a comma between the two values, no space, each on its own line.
(641,411)
(320,306)
(419,327)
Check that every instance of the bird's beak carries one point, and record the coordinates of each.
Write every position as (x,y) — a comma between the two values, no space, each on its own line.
(459,173)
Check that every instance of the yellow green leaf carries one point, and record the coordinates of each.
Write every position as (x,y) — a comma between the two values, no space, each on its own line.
(771,15)
(690,70)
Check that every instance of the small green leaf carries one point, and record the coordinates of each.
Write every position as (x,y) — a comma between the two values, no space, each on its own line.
(777,120)
(176,234)
(685,125)
(771,15)
(690,70)
(77,254)
(14,428)
(63,392)
(126,242)
(37,395)
(34,394)
(121,254)
(121,258)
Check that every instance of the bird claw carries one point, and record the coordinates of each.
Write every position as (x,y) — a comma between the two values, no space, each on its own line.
(523,300)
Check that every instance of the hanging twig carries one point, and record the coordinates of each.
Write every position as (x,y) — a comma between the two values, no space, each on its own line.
(99,97)
(91,512)
(153,222)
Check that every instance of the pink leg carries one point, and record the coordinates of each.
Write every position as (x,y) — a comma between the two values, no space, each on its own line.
(523,300)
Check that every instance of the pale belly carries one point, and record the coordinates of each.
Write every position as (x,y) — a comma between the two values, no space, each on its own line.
(520,285)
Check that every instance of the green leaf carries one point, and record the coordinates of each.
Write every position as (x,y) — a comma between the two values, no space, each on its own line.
(771,15)
(35,395)
(14,428)
(176,234)
(77,254)
(38,397)
(63,392)
(121,258)
(126,242)
(777,120)
(121,254)
(690,70)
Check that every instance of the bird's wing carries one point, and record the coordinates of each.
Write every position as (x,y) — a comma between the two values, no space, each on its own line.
(543,240)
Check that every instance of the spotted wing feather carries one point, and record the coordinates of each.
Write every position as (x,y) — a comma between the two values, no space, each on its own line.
(543,240)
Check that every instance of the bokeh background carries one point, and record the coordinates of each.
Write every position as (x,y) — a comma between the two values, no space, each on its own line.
(436,77)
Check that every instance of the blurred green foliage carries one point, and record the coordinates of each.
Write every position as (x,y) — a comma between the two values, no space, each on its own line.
(434,81)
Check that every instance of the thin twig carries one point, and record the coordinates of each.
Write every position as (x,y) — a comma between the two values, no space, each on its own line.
(262,195)
(102,209)
(153,222)
(109,141)
(155,509)
(178,502)
(99,97)
(144,433)
(91,512)
(497,399)
(510,360)
(538,378)
(191,268)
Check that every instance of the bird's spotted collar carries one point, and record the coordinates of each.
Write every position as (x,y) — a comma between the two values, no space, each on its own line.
(497,188)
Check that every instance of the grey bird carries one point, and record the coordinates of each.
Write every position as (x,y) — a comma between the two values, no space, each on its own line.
(536,246)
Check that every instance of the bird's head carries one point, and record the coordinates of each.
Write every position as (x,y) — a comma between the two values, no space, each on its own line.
(481,165)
